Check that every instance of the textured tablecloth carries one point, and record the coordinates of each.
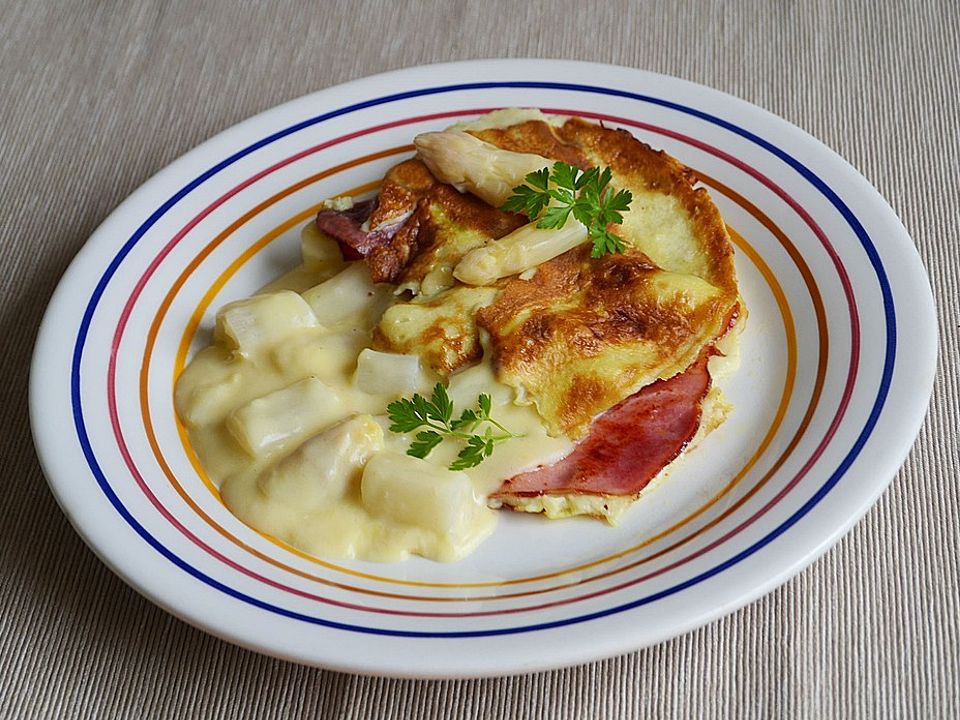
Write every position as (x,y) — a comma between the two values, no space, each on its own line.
(95,97)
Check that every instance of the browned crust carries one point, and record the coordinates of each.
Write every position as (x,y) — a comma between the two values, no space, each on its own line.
(450,340)
(577,307)
(442,352)
(438,210)
(537,137)
(387,262)
(444,211)
(403,186)
(636,164)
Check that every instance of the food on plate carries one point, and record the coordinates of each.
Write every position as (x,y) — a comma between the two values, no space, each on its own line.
(530,314)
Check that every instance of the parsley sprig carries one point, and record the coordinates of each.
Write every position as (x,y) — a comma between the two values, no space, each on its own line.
(409,414)
(585,193)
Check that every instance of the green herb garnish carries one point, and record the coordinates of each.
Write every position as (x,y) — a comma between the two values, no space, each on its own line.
(407,415)
(585,193)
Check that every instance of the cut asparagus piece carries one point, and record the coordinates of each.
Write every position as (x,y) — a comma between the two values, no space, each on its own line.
(472,165)
(521,250)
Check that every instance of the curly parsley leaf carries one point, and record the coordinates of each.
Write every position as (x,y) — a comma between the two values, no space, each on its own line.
(436,414)
(604,242)
(484,403)
(530,199)
(552,195)
(478,449)
(407,415)
(467,421)
(425,442)
(442,408)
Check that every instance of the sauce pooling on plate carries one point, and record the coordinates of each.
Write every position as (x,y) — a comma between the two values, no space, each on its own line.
(287,413)
(545,271)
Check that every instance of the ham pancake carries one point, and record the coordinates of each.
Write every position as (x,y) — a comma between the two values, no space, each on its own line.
(614,352)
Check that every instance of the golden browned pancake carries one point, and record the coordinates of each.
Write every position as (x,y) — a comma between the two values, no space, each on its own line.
(439,328)
(582,333)
(585,333)
(444,226)
(671,220)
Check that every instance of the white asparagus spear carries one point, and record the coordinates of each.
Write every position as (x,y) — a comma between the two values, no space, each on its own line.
(470,164)
(521,250)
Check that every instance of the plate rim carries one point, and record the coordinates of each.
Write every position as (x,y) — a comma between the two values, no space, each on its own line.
(172,170)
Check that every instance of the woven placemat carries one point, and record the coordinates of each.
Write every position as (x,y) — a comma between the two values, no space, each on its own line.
(95,97)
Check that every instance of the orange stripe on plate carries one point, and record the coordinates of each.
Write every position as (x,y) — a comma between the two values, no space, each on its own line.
(301,217)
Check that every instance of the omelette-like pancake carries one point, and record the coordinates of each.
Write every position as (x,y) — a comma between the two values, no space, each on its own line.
(670,220)
(577,335)
(583,334)
(440,328)
(416,226)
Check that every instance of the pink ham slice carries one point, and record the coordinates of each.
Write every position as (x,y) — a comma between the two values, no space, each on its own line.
(346,227)
(627,446)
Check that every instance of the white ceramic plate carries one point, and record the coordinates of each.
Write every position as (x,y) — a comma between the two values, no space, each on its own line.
(831,392)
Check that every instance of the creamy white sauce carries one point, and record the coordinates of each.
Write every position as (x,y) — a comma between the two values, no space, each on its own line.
(298,441)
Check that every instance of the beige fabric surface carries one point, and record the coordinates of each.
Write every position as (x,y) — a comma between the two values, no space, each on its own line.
(95,97)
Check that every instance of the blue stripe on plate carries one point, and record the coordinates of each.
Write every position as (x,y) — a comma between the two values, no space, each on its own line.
(823,188)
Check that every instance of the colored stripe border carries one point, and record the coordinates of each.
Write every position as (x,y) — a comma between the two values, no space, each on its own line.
(826,191)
